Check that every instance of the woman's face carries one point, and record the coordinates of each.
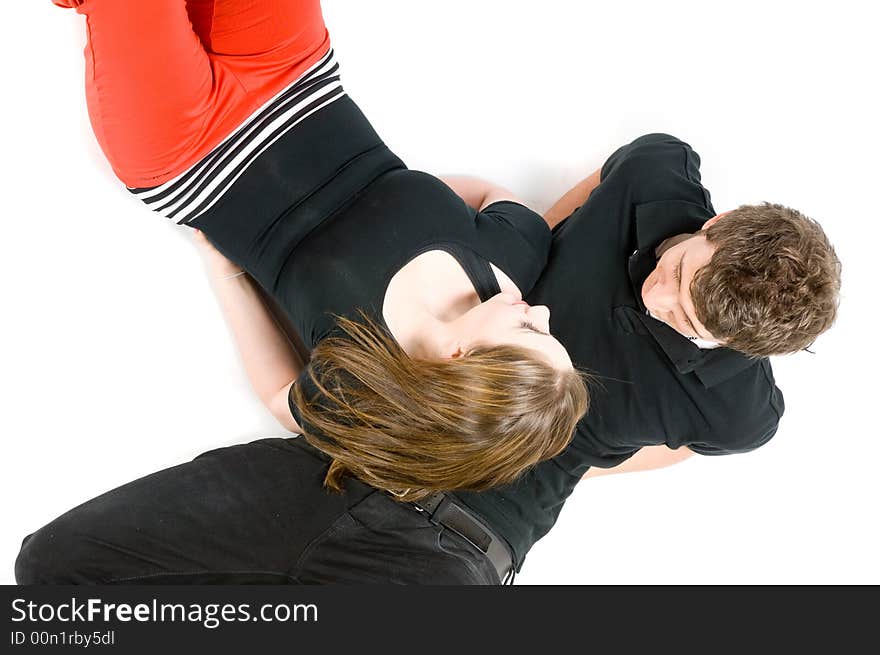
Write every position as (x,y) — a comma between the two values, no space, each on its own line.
(506,319)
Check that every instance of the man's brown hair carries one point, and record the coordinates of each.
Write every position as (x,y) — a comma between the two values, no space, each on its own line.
(772,284)
(414,426)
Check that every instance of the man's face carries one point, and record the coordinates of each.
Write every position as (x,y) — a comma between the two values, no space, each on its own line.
(666,291)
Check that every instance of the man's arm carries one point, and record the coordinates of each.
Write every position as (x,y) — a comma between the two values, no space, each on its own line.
(649,457)
(573,199)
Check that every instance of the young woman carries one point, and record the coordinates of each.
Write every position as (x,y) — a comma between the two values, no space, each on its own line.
(428,371)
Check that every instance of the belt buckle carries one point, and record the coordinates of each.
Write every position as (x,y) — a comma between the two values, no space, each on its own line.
(443,510)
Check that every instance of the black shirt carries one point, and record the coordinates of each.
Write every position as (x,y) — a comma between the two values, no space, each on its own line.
(650,384)
(347,263)
(326,215)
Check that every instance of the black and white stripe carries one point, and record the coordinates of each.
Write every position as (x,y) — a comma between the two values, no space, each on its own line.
(196,190)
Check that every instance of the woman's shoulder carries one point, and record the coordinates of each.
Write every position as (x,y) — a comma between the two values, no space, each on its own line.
(408,182)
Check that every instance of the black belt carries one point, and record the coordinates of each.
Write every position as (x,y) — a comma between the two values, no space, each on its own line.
(449,513)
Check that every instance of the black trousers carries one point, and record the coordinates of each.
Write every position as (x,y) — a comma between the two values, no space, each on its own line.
(254,513)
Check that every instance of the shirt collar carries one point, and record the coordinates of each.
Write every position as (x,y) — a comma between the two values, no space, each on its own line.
(655,222)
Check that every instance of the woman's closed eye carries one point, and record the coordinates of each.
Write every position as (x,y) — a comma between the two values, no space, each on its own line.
(528,326)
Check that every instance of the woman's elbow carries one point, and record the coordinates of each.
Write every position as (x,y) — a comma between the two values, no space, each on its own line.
(288,423)
(279,407)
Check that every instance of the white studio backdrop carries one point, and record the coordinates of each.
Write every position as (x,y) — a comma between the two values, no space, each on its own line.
(116,361)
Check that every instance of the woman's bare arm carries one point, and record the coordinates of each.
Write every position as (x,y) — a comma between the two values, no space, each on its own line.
(478,193)
(270,361)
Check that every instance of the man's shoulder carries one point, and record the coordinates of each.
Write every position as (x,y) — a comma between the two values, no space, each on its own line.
(654,167)
(653,152)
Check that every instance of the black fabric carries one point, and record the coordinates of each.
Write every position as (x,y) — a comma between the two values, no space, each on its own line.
(478,270)
(259,513)
(254,513)
(327,215)
(650,384)
(348,262)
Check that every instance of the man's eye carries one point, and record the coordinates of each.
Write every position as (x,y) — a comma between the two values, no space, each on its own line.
(676,274)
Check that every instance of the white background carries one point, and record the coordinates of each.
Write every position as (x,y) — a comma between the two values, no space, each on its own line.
(116,361)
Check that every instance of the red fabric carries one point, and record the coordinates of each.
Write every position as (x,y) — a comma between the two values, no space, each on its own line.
(167,80)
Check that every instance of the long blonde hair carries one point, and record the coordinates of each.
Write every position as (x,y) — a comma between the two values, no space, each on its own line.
(413,426)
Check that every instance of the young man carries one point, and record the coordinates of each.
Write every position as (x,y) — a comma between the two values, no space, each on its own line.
(673,309)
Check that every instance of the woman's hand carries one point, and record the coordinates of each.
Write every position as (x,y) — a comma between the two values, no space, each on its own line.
(218,264)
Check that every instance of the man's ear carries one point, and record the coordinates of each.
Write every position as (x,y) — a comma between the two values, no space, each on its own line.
(713,220)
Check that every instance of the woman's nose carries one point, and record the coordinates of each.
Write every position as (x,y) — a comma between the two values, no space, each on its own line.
(540,314)
(511,295)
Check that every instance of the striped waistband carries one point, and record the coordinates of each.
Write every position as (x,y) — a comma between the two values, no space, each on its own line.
(192,193)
